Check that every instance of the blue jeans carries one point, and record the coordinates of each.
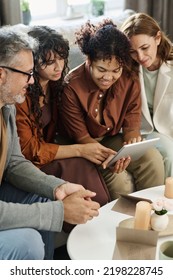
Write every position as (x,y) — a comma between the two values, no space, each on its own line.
(24,243)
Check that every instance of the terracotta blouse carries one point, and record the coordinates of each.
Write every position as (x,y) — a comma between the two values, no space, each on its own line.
(43,151)
(121,108)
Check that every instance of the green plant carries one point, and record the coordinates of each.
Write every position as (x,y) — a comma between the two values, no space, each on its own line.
(24,5)
(98,2)
(98,7)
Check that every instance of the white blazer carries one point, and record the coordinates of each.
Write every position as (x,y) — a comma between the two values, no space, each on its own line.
(163,103)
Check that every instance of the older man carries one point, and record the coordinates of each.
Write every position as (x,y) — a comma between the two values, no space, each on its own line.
(33,205)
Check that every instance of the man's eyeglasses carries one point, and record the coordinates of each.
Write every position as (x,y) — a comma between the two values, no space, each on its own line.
(19,71)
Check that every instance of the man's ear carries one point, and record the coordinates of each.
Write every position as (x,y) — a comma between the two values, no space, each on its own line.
(1,75)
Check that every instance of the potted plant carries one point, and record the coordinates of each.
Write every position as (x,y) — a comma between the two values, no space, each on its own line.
(26,13)
(98,7)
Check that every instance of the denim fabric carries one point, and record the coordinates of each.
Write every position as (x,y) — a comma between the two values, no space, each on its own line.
(24,243)
(21,244)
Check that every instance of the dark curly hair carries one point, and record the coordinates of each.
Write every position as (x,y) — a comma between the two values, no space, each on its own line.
(48,40)
(104,40)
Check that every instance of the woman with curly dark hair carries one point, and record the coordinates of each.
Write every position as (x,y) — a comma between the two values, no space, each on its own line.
(37,118)
(101,99)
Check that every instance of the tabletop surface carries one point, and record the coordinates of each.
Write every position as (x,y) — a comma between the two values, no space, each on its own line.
(96,239)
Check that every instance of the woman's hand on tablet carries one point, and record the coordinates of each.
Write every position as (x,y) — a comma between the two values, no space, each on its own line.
(134,140)
(119,166)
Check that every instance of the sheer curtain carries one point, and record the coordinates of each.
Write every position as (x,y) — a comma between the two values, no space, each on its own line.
(161,10)
(10,12)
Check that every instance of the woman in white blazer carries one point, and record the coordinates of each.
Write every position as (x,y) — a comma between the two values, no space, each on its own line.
(152,52)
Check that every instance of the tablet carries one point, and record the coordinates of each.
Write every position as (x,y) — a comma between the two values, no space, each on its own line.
(134,150)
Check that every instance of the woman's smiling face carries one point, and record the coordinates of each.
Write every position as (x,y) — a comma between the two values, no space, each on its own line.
(105,72)
(144,50)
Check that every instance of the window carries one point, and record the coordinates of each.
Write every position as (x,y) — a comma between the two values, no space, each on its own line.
(41,9)
(59,8)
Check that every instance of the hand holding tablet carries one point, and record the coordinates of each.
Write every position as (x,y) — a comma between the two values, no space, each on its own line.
(134,150)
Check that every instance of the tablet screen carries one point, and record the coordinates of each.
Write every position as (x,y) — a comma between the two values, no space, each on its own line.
(134,150)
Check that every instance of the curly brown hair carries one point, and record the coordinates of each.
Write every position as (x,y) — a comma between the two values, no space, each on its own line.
(103,41)
(49,40)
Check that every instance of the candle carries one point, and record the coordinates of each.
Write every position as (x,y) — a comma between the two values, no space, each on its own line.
(169,187)
(142,215)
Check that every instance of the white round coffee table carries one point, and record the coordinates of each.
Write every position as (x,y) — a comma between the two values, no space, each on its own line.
(95,240)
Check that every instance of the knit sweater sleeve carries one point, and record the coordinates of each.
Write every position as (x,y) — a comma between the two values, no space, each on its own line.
(41,216)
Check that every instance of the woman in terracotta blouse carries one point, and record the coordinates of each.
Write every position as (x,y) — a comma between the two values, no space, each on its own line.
(101,99)
(37,119)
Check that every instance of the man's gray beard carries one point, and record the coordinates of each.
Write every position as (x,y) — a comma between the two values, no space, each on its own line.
(7,98)
(19,99)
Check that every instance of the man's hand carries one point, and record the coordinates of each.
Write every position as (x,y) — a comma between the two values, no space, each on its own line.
(67,189)
(79,208)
